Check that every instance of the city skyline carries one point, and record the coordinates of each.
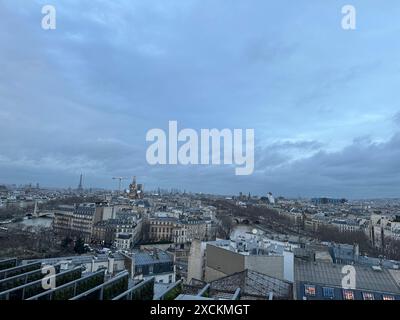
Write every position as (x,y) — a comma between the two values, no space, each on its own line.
(322,100)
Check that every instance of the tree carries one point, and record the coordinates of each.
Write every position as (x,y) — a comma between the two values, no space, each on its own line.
(79,247)
(392,249)
(332,234)
(224,227)
(66,242)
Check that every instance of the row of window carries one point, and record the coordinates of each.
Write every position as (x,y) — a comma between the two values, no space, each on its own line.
(328,292)
(167,230)
(166,223)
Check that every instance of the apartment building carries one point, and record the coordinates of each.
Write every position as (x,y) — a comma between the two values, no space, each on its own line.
(78,221)
(167,229)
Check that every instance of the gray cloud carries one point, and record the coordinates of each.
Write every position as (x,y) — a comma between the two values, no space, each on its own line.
(81,98)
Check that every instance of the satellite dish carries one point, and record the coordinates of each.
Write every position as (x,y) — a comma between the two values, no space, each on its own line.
(254,231)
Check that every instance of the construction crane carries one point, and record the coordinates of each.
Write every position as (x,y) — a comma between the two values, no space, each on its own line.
(120,181)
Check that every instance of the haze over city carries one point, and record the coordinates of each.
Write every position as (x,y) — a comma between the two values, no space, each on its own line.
(323,101)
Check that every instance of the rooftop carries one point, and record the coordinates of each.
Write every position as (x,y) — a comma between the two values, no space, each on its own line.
(151,257)
(331,274)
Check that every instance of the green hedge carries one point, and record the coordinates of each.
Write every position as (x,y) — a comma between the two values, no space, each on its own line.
(16,281)
(115,287)
(74,288)
(8,273)
(173,293)
(35,288)
(8,263)
(89,282)
(144,292)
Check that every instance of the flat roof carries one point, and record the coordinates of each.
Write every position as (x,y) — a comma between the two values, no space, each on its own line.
(144,258)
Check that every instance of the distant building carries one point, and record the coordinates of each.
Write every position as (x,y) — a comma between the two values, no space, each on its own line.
(324,200)
(197,228)
(345,225)
(135,190)
(270,198)
(80,186)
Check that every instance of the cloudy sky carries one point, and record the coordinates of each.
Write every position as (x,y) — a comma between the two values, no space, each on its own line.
(324,102)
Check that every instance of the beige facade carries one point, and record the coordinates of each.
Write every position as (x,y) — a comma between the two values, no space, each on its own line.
(197,229)
(221,262)
(170,229)
(79,221)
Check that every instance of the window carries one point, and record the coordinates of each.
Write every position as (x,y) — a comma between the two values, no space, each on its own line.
(368,296)
(328,292)
(348,295)
(170,278)
(309,290)
(387,297)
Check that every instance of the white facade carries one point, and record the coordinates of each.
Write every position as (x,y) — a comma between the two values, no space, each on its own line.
(123,241)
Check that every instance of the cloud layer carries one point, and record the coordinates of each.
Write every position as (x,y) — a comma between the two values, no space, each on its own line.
(323,101)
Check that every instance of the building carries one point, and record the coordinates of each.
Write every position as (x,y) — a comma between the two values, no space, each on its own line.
(383,226)
(222,261)
(345,225)
(270,197)
(323,200)
(153,263)
(79,220)
(106,231)
(63,216)
(212,260)
(135,190)
(350,255)
(244,285)
(323,281)
(123,241)
(197,228)
(87,278)
(167,229)
(196,261)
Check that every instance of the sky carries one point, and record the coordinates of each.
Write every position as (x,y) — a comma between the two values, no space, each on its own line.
(323,101)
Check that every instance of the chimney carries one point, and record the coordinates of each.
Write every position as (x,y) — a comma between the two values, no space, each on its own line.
(110,265)
(356,251)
